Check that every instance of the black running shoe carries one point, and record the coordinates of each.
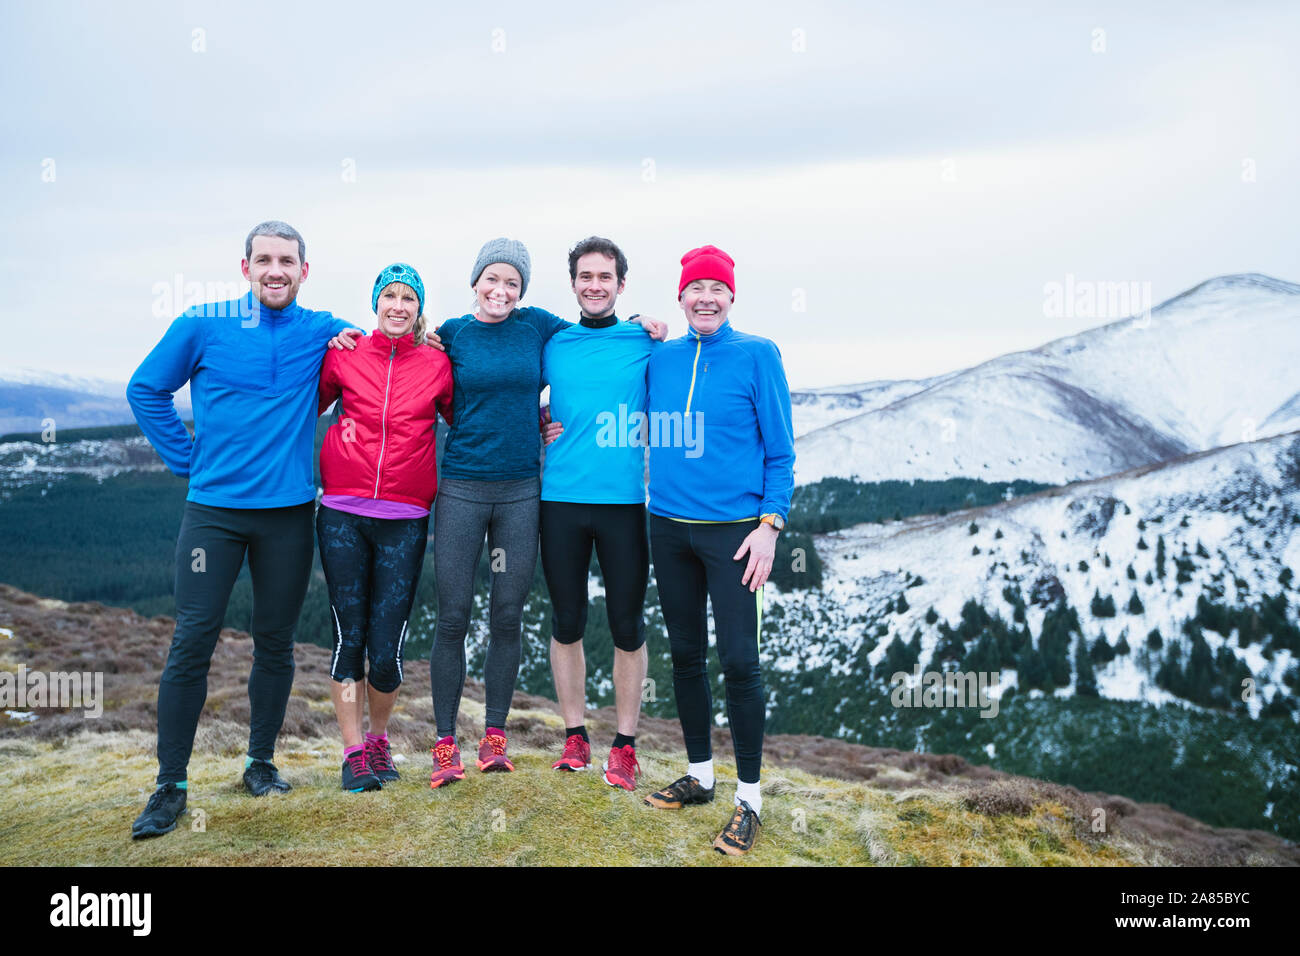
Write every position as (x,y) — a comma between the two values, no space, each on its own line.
(740,835)
(160,813)
(380,759)
(357,775)
(261,778)
(680,793)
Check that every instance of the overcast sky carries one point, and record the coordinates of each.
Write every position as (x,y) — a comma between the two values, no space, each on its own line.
(897,182)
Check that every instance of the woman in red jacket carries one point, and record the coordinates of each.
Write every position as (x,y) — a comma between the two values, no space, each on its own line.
(378,468)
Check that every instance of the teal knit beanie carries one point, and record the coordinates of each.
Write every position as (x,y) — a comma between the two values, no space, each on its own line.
(397,272)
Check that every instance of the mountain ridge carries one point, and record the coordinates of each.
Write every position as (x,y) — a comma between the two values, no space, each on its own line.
(1209,364)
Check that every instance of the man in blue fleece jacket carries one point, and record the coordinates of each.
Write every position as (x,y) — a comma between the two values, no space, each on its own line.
(252,364)
(721,475)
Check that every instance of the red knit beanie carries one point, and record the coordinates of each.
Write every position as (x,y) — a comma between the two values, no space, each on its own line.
(708,262)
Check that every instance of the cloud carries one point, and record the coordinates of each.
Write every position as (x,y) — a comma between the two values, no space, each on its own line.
(919,178)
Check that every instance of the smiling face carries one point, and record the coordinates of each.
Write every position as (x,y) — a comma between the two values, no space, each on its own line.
(498,291)
(706,303)
(596,284)
(398,309)
(274,271)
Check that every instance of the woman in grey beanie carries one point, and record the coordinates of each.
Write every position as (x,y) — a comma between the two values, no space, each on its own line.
(510,252)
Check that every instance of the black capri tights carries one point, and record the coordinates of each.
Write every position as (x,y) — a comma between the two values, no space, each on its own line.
(372,567)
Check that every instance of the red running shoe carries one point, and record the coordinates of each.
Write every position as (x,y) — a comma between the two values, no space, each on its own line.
(492,755)
(446,765)
(621,769)
(576,756)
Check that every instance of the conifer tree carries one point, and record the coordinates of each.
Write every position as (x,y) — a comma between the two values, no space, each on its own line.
(1085,682)
(1102,607)
(1031,672)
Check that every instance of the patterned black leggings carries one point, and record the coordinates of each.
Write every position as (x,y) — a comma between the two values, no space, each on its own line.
(372,567)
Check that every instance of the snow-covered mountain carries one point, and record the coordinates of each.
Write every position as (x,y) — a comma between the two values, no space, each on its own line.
(816,408)
(1211,367)
(28,397)
(1230,523)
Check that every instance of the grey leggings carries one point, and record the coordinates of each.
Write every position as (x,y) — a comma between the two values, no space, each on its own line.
(506,511)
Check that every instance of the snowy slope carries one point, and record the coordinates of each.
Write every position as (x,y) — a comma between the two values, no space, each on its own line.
(29,397)
(1235,502)
(816,408)
(1213,366)
(72,383)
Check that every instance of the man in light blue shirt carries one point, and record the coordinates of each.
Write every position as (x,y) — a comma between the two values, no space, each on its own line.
(593,493)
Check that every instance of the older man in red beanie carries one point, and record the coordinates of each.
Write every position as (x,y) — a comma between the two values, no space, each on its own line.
(719,495)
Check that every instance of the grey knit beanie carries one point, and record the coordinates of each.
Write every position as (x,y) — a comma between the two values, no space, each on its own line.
(509,251)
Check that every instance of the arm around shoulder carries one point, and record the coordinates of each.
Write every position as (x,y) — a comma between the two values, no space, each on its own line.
(335,325)
(546,323)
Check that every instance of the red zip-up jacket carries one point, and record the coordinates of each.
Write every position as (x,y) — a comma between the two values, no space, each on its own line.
(384,443)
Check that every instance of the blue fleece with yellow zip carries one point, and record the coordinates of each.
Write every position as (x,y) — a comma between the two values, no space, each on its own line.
(253,373)
(719,428)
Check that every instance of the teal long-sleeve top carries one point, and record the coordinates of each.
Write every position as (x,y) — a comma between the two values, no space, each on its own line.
(497,375)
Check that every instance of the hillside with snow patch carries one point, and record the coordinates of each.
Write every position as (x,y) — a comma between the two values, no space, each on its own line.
(1229,520)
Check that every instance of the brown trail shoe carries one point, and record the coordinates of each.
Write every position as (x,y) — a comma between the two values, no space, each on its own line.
(682,792)
(740,834)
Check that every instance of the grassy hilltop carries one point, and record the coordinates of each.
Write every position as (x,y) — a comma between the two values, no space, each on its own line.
(76,783)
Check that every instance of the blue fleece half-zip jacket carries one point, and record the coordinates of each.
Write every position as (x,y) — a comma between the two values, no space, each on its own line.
(719,428)
(253,373)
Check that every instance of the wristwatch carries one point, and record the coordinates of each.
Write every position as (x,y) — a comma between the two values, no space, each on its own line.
(775,520)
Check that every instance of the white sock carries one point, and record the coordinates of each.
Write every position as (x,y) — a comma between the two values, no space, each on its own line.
(703,772)
(749,793)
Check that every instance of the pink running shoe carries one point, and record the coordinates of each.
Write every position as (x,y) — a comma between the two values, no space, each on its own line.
(622,769)
(446,765)
(576,756)
(492,755)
